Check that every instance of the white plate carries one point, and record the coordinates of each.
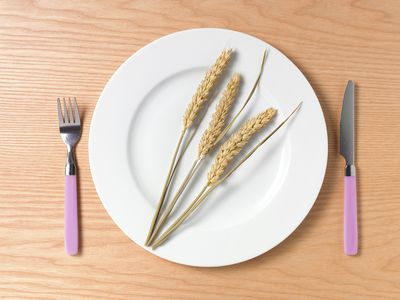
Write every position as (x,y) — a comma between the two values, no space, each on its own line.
(136,125)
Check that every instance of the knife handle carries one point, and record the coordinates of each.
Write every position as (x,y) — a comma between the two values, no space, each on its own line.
(350,216)
(71,215)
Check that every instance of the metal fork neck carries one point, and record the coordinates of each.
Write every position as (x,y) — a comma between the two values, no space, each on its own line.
(70,166)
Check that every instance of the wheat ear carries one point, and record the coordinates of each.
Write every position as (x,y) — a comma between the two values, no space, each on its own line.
(205,87)
(207,190)
(191,113)
(236,142)
(218,120)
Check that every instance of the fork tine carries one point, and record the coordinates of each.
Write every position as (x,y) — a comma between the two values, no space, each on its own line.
(76,110)
(60,115)
(66,116)
(70,113)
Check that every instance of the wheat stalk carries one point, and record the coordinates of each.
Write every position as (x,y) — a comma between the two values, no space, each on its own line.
(210,138)
(191,113)
(236,142)
(206,85)
(218,120)
(206,190)
(206,143)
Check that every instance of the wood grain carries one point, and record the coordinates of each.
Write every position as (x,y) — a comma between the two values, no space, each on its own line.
(53,48)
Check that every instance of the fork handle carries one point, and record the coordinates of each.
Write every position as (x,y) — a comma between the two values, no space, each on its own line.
(71,215)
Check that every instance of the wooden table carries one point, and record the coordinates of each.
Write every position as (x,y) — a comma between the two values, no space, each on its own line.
(53,48)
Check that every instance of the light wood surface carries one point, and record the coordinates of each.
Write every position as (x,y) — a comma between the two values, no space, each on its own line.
(55,48)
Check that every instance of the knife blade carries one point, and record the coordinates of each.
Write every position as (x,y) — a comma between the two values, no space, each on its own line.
(347,124)
(347,151)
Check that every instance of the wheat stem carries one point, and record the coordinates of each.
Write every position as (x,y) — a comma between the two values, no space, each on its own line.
(180,220)
(187,144)
(170,207)
(171,170)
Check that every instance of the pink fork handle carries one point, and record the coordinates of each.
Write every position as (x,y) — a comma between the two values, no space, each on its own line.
(350,216)
(71,215)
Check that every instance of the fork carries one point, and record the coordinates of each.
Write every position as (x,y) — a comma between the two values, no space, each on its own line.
(70,130)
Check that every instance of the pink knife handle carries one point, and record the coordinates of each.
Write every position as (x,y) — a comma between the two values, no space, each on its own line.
(350,216)
(71,215)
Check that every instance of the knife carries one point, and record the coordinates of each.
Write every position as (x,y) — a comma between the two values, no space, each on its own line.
(347,151)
